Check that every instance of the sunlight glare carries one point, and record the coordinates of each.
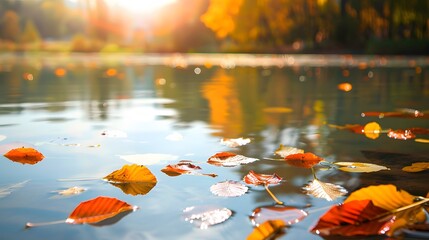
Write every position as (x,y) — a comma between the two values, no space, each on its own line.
(141,5)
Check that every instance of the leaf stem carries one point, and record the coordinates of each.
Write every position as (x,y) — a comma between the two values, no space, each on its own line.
(314,174)
(425,200)
(272,195)
(31,225)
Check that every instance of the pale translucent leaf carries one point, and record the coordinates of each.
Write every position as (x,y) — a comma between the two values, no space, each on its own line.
(284,151)
(360,167)
(324,190)
(227,159)
(69,192)
(205,216)
(149,158)
(229,189)
(289,215)
(234,142)
(5,191)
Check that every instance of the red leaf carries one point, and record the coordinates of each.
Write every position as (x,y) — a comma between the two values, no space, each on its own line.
(304,160)
(97,210)
(357,217)
(261,179)
(25,155)
(228,159)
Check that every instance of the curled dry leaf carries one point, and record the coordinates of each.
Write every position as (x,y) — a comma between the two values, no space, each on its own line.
(359,167)
(133,179)
(184,167)
(206,216)
(234,142)
(324,190)
(229,188)
(289,215)
(284,151)
(303,160)
(416,167)
(72,191)
(228,159)
(271,229)
(401,134)
(263,179)
(25,155)
(98,211)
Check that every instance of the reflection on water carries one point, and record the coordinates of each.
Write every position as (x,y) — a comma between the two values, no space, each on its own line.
(63,105)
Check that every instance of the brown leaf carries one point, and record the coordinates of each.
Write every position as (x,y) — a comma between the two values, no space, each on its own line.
(271,229)
(184,167)
(25,155)
(304,160)
(261,179)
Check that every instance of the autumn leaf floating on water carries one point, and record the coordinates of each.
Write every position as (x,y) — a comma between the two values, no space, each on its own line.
(206,216)
(263,179)
(270,229)
(371,130)
(25,155)
(71,191)
(228,159)
(284,151)
(289,215)
(303,160)
(402,113)
(374,210)
(401,134)
(133,179)
(228,188)
(184,167)
(359,167)
(324,190)
(98,212)
(416,167)
(234,142)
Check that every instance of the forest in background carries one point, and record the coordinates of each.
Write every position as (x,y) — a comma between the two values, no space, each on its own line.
(245,26)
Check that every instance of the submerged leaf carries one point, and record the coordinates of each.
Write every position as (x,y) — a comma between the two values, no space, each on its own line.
(289,215)
(206,216)
(284,151)
(4,191)
(184,167)
(353,218)
(324,190)
(416,167)
(359,167)
(304,160)
(25,155)
(234,142)
(271,229)
(228,189)
(228,159)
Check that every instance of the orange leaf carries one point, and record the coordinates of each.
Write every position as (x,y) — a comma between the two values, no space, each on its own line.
(372,130)
(346,87)
(228,159)
(131,173)
(401,134)
(98,209)
(25,155)
(358,217)
(184,167)
(304,160)
(270,229)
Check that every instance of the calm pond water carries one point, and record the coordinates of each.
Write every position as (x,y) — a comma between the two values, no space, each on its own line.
(86,113)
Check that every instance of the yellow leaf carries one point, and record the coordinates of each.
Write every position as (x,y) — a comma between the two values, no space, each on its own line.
(324,190)
(131,173)
(359,167)
(372,130)
(416,167)
(268,230)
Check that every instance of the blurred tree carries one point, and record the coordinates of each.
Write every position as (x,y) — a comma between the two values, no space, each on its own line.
(30,33)
(10,28)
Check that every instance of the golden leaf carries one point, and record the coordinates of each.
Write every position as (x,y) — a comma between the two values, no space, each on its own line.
(359,167)
(416,167)
(372,130)
(270,229)
(284,151)
(131,173)
(324,190)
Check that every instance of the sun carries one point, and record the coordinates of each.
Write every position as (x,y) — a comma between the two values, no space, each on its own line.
(140,6)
